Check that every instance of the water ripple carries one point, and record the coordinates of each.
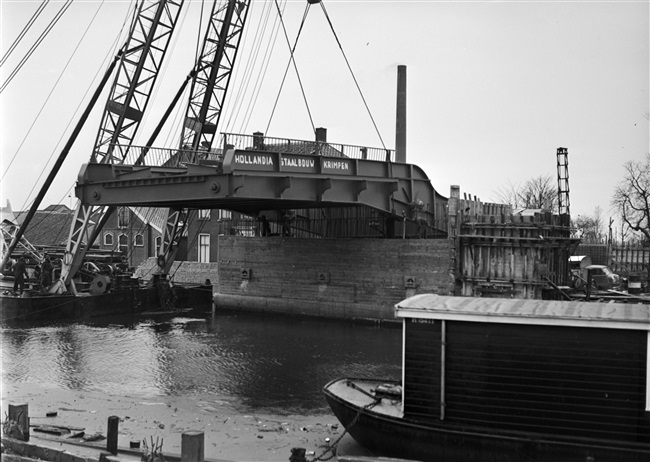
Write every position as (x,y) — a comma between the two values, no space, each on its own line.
(251,361)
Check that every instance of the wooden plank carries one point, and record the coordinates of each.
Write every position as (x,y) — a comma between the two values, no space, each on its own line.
(512,376)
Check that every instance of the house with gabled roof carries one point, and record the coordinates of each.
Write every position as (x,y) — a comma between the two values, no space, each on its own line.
(134,232)
(49,227)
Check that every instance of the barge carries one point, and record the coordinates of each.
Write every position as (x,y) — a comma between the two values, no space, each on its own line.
(125,299)
(508,380)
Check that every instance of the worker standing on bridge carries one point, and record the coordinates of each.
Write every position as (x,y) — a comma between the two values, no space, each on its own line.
(266,228)
(287,217)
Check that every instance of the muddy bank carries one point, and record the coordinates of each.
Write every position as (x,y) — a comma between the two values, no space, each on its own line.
(229,434)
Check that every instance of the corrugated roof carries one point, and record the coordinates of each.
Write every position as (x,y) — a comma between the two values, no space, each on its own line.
(525,311)
(156,217)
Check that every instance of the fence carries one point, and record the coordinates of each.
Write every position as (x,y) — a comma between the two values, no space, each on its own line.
(630,260)
(498,253)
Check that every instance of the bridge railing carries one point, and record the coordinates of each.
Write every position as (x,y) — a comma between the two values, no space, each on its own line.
(260,142)
(166,157)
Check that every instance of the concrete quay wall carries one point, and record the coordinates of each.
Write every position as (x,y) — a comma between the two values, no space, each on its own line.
(331,278)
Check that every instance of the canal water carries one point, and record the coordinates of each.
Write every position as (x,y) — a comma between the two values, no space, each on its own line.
(247,361)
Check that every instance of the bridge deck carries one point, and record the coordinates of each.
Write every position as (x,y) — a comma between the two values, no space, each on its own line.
(252,180)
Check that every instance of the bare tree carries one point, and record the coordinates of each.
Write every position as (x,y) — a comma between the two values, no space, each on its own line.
(535,193)
(590,228)
(632,197)
(508,194)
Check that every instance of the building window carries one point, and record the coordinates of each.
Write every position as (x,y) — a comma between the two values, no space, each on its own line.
(204,248)
(123,217)
(157,242)
(204,214)
(225,214)
(108,239)
(123,243)
(139,240)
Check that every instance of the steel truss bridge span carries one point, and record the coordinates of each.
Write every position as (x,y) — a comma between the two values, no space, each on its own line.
(251,181)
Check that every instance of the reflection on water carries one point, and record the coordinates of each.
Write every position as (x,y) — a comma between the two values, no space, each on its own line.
(273,363)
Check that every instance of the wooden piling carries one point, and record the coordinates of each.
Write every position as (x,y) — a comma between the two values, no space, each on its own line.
(192,446)
(111,434)
(19,414)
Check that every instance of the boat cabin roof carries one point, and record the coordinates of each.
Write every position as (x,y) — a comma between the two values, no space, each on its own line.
(525,311)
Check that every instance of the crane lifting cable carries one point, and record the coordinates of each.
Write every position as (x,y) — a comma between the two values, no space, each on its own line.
(54,87)
(246,73)
(352,73)
(292,60)
(29,24)
(261,75)
(33,48)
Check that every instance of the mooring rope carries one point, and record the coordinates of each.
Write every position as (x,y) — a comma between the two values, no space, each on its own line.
(332,446)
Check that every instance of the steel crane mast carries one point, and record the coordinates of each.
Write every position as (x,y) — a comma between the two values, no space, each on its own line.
(207,95)
(138,69)
(139,66)
(213,72)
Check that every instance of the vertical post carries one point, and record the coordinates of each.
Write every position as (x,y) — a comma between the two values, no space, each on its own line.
(647,375)
(19,413)
(443,367)
(588,288)
(453,231)
(192,446)
(111,434)
(453,206)
(298,455)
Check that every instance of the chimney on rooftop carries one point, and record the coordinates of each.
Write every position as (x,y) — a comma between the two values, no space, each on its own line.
(400,123)
(321,134)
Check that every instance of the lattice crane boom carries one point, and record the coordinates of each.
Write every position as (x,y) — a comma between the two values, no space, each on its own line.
(207,95)
(139,66)
(138,69)
(213,72)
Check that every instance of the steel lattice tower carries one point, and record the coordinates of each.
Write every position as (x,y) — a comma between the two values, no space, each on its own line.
(563,181)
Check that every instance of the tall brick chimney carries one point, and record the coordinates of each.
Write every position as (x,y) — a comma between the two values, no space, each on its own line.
(400,122)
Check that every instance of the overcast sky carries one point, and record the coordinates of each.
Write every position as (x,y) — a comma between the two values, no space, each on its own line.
(494,88)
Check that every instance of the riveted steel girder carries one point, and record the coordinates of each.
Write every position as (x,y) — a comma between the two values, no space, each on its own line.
(250,181)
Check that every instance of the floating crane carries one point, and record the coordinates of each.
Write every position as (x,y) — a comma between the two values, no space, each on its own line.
(343,181)
(139,64)
(209,87)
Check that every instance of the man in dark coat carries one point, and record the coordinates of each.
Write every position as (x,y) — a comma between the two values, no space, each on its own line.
(46,273)
(20,275)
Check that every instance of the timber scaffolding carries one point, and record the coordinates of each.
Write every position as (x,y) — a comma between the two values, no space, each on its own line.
(498,253)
